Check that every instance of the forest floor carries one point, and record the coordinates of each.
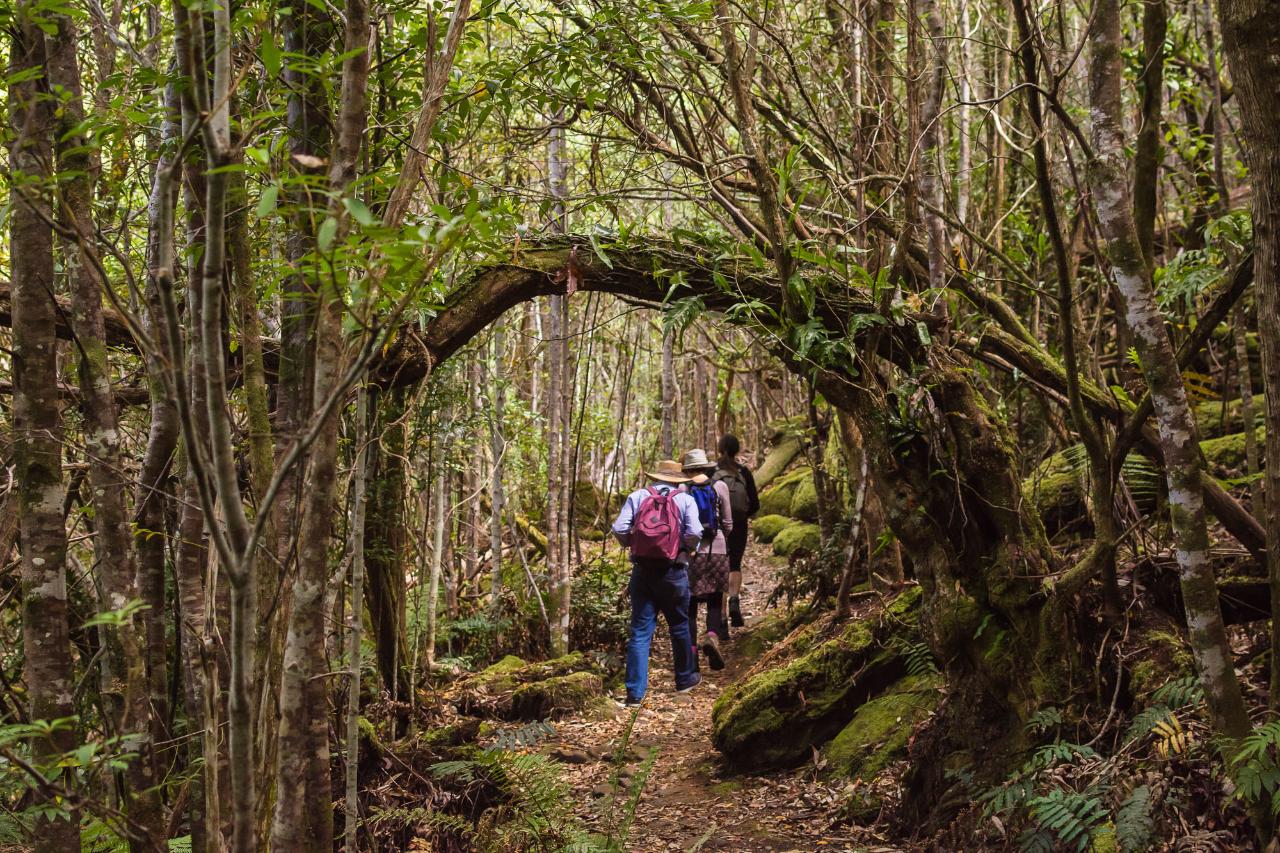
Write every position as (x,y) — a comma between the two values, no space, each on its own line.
(690,800)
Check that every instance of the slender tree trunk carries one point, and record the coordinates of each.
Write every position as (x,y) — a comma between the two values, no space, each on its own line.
(1146,158)
(1251,37)
(114,551)
(156,481)
(440,509)
(37,424)
(497,447)
(355,623)
(1109,180)
(668,395)
(386,545)
(304,812)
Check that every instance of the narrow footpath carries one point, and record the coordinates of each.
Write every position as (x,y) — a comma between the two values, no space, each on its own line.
(690,801)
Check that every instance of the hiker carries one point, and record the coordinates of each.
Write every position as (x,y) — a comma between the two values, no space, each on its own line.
(745,502)
(709,565)
(660,526)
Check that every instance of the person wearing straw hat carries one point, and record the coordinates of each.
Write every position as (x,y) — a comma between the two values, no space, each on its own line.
(709,564)
(660,526)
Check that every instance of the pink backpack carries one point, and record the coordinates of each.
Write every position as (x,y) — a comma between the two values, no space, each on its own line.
(655,531)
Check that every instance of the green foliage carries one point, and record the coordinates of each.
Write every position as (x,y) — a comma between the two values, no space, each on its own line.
(1071,818)
(1135,828)
(917,655)
(1255,767)
(534,809)
(598,620)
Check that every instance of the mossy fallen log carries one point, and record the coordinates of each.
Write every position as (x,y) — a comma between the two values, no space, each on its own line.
(786,447)
(1055,486)
(777,498)
(809,687)
(514,689)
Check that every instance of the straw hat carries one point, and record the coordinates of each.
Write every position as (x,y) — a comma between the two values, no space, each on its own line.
(668,471)
(696,459)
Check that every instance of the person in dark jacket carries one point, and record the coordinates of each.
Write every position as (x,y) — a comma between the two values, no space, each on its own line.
(745,502)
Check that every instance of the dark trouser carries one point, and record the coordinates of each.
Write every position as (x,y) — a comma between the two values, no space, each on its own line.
(715,615)
(655,591)
(737,543)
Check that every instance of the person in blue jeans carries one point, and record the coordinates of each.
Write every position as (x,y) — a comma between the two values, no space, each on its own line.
(660,589)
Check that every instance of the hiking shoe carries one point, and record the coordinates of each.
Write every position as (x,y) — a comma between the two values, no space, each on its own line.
(697,679)
(631,702)
(711,648)
(735,613)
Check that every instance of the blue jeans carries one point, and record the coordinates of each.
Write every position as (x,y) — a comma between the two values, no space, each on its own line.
(656,591)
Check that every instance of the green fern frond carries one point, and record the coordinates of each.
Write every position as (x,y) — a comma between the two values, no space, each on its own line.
(1072,817)
(1135,827)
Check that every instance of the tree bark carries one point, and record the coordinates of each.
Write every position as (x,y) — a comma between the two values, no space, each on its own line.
(37,423)
(1251,37)
(114,545)
(1109,181)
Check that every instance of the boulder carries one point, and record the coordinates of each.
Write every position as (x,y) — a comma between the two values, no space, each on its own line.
(809,687)
(797,536)
(880,730)
(766,527)
(804,503)
(776,499)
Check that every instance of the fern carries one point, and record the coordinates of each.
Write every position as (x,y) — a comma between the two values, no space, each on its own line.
(1072,817)
(1179,693)
(522,737)
(1134,825)
(917,656)
(1255,768)
(1044,720)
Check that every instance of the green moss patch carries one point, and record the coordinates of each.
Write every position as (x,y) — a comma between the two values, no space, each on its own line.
(804,503)
(799,535)
(556,697)
(492,692)
(807,689)
(880,730)
(766,527)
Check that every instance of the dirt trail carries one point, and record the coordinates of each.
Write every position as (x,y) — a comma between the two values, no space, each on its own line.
(690,800)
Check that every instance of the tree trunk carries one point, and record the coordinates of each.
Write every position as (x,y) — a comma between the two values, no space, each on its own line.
(355,621)
(386,545)
(1146,158)
(113,546)
(497,447)
(1109,180)
(37,425)
(1251,37)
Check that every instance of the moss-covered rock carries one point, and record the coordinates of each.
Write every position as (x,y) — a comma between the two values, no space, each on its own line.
(808,688)
(1162,655)
(1225,454)
(880,730)
(769,630)
(492,691)
(799,535)
(556,697)
(776,499)
(804,503)
(1221,417)
(766,527)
